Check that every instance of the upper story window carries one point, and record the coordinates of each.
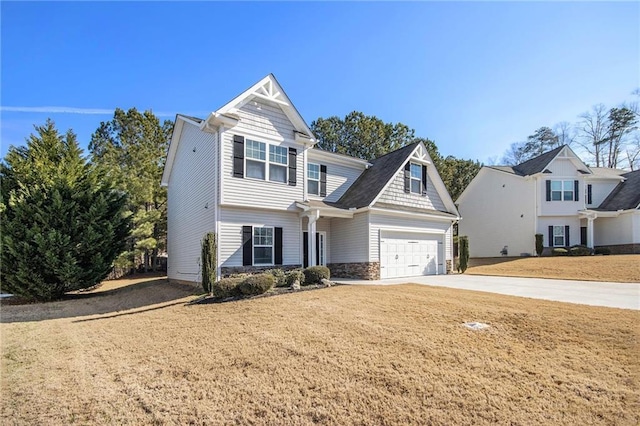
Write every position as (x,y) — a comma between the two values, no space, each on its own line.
(273,168)
(313,179)
(562,190)
(416,178)
(277,163)
(256,159)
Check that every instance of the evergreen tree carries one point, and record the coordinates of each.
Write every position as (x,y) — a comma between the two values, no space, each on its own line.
(63,224)
(131,149)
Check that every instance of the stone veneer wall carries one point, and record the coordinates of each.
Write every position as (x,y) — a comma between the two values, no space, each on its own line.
(449,267)
(362,270)
(623,248)
(226,271)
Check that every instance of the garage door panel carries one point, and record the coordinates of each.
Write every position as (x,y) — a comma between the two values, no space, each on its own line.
(404,254)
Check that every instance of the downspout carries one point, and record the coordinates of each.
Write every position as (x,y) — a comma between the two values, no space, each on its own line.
(219,202)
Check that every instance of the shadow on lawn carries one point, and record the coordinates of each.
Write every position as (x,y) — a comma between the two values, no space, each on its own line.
(144,293)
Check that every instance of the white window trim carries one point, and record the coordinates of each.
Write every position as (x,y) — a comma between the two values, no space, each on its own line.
(412,178)
(266,162)
(253,246)
(553,243)
(562,190)
(315,180)
(285,164)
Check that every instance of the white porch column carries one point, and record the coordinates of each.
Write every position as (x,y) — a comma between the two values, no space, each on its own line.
(590,242)
(311,231)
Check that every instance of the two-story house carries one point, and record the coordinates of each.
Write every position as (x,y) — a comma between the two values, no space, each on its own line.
(250,173)
(556,195)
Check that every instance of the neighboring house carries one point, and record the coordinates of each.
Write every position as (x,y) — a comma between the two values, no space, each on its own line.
(250,173)
(556,195)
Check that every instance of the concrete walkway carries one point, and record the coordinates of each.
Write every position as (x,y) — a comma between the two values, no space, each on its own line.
(613,295)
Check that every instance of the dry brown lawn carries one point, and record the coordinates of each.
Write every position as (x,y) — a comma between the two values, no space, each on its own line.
(135,352)
(623,268)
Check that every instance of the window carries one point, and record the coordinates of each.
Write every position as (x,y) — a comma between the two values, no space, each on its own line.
(313,179)
(278,163)
(558,236)
(562,190)
(263,246)
(256,159)
(416,178)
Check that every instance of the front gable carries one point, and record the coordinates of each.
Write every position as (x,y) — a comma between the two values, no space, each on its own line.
(566,164)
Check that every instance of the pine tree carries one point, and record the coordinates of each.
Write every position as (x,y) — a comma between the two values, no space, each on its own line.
(63,224)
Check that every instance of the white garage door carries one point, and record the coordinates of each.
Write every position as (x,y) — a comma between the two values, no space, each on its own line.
(406,255)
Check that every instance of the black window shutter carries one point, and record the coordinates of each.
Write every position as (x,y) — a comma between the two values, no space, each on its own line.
(589,199)
(317,248)
(566,235)
(238,156)
(548,182)
(424,180)
(247,245)
(293,153)
(576,186)
(407,177)
(277,246)
(550,236)
(305,249)
(323,181)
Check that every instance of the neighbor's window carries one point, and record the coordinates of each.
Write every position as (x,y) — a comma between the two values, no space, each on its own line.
(256,159)
(416,178)
(558,236)
(562,190)
(278,156)
(313,179)
(263,246)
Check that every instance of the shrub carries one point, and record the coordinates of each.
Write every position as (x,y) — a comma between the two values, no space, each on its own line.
(603,250)
(579,251)
(559,251)
(463,247)
(539,244)
(208,258)
(256,284)
(315,274)
(293,276)
(278,277)
(226,287)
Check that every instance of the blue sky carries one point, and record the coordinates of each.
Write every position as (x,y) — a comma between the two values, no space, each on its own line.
(474,77)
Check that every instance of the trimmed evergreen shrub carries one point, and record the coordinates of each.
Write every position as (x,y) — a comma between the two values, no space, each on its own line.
(209,263)
(580,251)
(463,248)
(539,244)
(559,251)
(603,250)
(226,287)
(293,276)
(315,274)
(256,284)
(278,277)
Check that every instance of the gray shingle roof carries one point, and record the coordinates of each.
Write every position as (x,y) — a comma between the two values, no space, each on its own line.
(196,119)
(626,195)
(536,164)
(369,184)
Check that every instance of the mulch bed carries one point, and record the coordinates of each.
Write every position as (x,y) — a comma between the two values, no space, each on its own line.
(276,291)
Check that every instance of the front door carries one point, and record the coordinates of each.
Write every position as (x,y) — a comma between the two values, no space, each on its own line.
(321,248)
(583,235)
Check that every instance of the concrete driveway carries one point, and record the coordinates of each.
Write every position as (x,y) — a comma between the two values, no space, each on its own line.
(613,295)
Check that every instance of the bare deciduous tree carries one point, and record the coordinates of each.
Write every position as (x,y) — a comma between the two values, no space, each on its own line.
(592,132)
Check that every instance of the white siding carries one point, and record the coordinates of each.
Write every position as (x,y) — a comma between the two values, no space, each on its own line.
(231,223)
(599,191)
(498,210)
(191,201)
(349,239)
(395,194)
(572,221)
(624,229)
(265,117)
(259,193)
(322,225)
(339,177)
(561,208)
(409,224)
(563,167)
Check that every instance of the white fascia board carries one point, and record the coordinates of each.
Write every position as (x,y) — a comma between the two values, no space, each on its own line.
(334,158)
(173,148)
(216,119)
(414,214)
